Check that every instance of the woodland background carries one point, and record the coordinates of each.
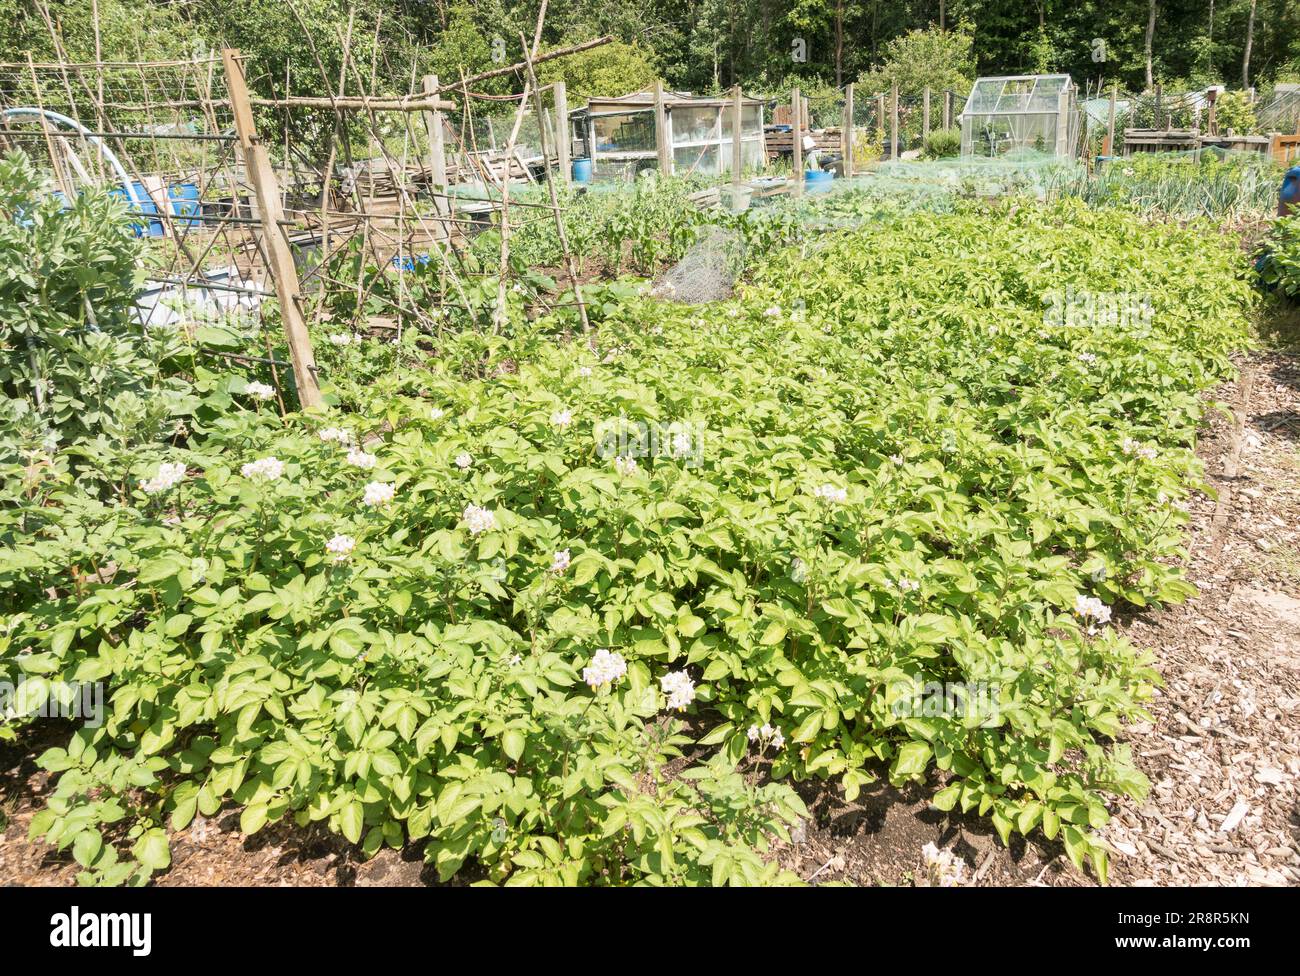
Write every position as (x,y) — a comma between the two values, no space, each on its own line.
(696,45)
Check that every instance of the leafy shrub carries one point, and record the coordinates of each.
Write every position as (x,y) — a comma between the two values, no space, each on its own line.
(613,69)
(938,59)
(1279,262)
(942,143)
(1233,112)
(897,471)
(76,370)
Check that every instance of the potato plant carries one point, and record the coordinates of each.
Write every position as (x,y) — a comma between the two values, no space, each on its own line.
(466,607)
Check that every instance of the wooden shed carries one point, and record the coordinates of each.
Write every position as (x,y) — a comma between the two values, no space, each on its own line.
(669,130)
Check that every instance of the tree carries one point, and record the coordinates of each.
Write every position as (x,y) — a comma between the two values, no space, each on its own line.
(1250,40)
(1151,33)
(465,44)
(920,59)
(613,69)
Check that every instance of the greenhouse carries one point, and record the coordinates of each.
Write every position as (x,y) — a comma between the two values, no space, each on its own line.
(620,137)
(1010,113)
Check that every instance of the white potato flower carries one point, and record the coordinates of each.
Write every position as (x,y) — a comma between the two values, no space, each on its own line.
(1137,449)
(335,435)
(679,689)
(606,668)
(169,475)
(266,469)
(378,493)
(946,869)
(831,494)
(478,520)
(360,459)
(1093,612)
(340,547)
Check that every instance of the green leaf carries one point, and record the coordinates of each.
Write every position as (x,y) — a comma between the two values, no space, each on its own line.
(152,850)
(87,847)
(352,819)
(512,742)
(912,760)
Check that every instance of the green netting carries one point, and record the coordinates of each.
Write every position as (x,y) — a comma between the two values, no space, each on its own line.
(937,184)
(1280,112)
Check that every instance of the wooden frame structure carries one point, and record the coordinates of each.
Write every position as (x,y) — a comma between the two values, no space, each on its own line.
(671,131)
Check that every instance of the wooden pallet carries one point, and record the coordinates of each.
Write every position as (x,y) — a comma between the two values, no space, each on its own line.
(1160,140)
(780,142)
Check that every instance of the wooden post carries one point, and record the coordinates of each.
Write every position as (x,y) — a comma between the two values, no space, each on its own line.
(663,138)
(881,124)
(947,108)
(848,130)
(925,114)
(554,193)
(737,111)
(275,239)
(563,132)
(437,162)
(893,122)
(796,142)
(1109,148)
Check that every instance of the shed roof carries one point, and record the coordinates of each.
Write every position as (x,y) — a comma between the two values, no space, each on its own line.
(1016,94)
(646,99)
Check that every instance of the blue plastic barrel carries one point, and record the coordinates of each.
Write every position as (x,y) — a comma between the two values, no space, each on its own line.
(582,170)
(154,227)
(408,263)
(185,203)
(137,228)
(1288,198)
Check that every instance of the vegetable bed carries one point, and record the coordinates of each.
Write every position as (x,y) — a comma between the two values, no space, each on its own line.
(916,460)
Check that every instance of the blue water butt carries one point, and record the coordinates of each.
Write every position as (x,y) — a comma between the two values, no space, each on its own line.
(817,180)
(582,170)
(185,203)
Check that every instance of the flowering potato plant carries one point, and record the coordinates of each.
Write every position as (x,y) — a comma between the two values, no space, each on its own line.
(457,609)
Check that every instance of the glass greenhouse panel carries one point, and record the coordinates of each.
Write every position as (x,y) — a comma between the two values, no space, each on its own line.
(625,132)
(751,122)
(1046,92)
(984,96)
(694,125)
(1030,112)
(697,159)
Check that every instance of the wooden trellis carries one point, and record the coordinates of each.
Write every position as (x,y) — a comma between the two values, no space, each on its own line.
(190,150)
